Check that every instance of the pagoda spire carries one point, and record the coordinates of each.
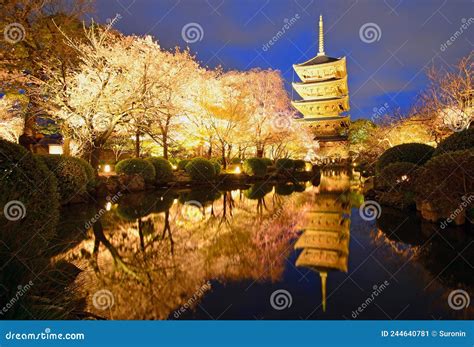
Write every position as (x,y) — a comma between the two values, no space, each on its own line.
(321,37)
(324,276)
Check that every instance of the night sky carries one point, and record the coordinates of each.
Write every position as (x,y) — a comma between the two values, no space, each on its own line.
(388,72)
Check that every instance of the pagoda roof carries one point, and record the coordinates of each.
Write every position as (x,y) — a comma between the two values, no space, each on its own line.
(325,119)
(319,59)
(303,101)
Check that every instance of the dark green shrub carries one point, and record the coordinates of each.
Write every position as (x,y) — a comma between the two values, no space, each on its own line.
(217,166)
(203,196)
(28,196)
(397,177)
(136,166)
(416,153)
(285,165)
(284,189)
(201,169)
(299,187)
(90,173)
(446,178)
(236,161)
(267,161)
(70,175)
(182,164)
(138,205)
(163,169)
(299,165)
(258,191)
(456,142)
(255,167)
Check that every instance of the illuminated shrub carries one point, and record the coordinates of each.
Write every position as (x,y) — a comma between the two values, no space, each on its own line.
(255,167)
(258,191)
(446,180)
(267,161)
(236,161)
(136,166)
(416,153)
(163,169)
(299,165)
(182,164)
(201,169)
(70,175)
(90,173)
(284,189)
(397,177)
(456,142)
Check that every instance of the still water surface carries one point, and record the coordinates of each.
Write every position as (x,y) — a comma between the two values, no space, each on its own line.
(294,251)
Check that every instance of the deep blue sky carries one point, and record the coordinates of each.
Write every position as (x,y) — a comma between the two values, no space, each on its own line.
(390,71)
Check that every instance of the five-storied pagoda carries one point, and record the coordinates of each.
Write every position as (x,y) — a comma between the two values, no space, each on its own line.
(325,100)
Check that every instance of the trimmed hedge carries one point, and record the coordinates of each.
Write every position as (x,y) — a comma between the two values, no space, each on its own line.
(397,177)
(136,166)
(456,142)
(90,173)
(201,169)
(70,174)
(284,189)
(285,165)
(217,166)
(299,165)
(28,195)
(258,191)
(267,161)
(182,164)
(236,161)
(416,153)
(446,179)
(255,167)
(163,169)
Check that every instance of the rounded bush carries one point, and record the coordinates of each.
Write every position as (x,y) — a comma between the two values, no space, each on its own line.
(136,166)
(284,189)
(182,164)
(446,180)
(217,166)
(255,167)
(456,142)
(236,161)
(201,169)
(163,169)
(30,209)
(416,153)
(299,165)
(90,173)
(267,161)
(138,205)
(397,177)
(70,175)
(258,191)
(285,164)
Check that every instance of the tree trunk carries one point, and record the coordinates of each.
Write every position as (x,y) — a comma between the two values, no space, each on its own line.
(209,151)
(95,157)
(137,144)
(223,157)
(67,146)
(165,145)
(259,152)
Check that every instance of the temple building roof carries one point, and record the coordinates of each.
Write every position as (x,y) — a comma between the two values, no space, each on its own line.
(319,59)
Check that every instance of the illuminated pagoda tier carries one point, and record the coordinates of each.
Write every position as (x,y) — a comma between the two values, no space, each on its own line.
(325,100)
(325,240)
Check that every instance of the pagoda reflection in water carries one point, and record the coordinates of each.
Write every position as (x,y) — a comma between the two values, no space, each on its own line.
(325,240)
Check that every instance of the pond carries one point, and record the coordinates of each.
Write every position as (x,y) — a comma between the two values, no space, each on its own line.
(287,251)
